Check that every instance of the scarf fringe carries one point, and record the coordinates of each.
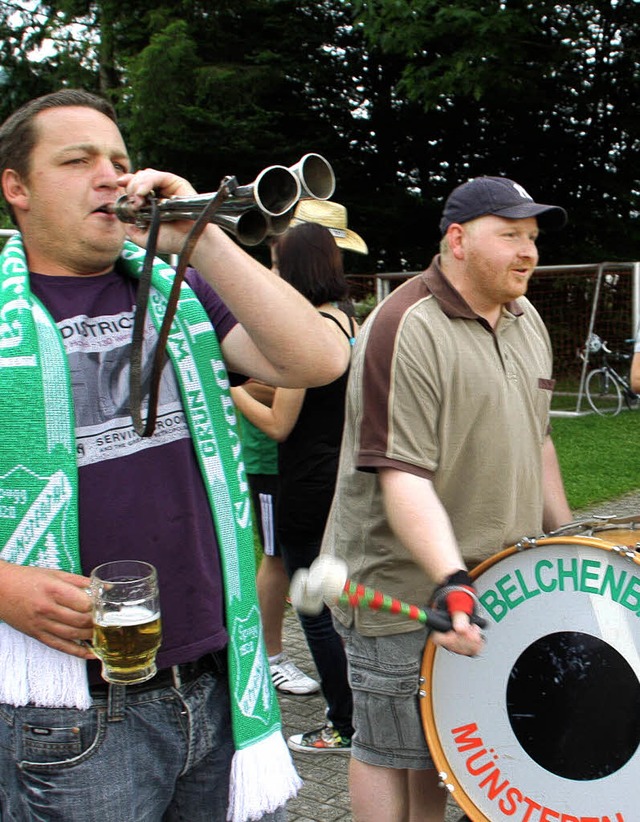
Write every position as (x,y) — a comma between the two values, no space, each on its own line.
(33,673)
(263,778)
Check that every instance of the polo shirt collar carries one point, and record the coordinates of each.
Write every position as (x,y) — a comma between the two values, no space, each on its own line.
(450,300)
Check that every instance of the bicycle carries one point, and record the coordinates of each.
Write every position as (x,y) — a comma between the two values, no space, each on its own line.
(605,387)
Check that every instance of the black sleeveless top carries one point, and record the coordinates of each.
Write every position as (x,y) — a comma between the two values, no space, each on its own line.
(308,458)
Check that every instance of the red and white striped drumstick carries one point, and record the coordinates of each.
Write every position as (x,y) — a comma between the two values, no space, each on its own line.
(327,580)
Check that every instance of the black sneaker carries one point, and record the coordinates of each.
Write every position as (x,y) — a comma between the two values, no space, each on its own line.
(322,740)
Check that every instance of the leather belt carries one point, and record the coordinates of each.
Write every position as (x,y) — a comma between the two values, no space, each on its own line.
(176,676)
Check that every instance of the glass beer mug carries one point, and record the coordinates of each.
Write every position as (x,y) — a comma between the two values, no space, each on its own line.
(126,620)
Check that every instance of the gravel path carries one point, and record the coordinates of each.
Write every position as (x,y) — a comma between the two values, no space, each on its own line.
(623,506)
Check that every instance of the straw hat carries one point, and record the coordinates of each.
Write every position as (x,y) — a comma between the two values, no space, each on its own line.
(332,216)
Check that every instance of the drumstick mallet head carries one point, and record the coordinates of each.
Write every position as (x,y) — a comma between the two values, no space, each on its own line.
(324,580)
(327,580)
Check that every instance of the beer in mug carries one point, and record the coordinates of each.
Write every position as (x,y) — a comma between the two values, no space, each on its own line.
(126,620)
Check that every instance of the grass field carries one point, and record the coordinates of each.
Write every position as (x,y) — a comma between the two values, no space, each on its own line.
(599,456)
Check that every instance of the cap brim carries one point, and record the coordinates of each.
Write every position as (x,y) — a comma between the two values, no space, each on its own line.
(548,216)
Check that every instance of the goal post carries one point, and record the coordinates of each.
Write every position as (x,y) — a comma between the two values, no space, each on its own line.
(575,301)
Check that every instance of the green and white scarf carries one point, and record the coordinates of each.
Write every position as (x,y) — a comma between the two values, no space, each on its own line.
(39,517)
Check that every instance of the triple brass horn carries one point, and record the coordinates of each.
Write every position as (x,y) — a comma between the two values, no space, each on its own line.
(250,212)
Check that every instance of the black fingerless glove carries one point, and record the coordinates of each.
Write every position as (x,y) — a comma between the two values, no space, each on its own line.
(456,593)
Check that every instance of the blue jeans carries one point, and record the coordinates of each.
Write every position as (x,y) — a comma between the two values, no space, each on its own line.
(168,760)
(324,642)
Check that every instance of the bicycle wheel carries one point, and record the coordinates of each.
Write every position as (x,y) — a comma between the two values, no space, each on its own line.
(603,392)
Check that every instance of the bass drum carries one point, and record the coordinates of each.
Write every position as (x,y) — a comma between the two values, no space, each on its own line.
(544,726)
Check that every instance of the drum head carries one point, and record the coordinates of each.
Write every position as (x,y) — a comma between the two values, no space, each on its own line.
(544,726)
(618,536)
(624,530)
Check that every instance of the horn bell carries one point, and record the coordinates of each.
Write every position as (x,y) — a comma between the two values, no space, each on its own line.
(316,176)
(275,190)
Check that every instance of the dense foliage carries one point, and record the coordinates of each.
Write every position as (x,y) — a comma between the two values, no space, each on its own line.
(406,98)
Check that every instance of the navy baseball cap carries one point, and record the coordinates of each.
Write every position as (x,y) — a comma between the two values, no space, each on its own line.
(499,196)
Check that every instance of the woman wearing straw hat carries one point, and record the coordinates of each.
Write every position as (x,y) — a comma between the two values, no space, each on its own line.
(332,216)
(308,425)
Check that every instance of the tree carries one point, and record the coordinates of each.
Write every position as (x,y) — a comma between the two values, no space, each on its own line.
(537,91)
(405,98)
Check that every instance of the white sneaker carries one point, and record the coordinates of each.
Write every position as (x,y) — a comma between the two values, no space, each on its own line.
(289,679)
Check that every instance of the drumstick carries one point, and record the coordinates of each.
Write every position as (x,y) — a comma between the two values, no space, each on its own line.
(327,580)
(359,596)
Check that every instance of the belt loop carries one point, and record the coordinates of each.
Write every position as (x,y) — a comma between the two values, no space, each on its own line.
(116,702)
(175,674)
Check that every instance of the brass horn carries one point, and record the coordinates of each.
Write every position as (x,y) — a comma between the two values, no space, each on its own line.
(250,212)
(317,182)
(274,191)
(250,226)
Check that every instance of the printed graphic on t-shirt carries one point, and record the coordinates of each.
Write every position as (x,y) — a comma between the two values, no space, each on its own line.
(99,354)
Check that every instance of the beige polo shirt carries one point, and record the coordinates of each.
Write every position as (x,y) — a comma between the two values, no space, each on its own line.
(436,392)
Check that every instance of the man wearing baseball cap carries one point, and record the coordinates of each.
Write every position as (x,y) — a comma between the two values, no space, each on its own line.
(446,459)
(501,197)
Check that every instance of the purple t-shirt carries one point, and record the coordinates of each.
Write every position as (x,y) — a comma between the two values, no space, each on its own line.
(139,498)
